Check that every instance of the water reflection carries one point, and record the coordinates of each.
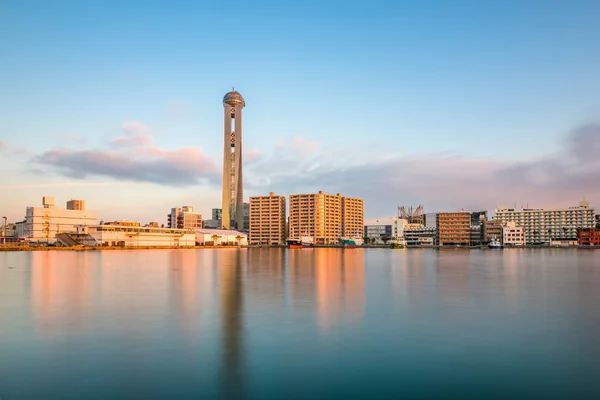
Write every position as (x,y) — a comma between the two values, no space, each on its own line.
(266,323)
(232,265)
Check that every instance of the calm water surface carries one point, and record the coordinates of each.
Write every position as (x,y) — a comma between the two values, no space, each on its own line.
(306,324)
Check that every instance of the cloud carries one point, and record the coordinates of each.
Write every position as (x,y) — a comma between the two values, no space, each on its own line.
(299,145)
(134,157)
(63,185)
(442,182)
(251,156)
(3,145)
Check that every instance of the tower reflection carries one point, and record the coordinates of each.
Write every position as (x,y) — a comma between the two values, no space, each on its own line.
(232,265)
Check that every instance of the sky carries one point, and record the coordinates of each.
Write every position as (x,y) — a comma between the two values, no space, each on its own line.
(450,104)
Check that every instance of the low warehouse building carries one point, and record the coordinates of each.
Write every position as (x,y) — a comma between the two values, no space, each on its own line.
(136,236)
(220,237)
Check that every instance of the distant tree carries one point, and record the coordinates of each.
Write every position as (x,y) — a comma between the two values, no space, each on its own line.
(385,239)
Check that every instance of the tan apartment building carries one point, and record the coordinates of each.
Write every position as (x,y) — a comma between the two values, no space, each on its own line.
(353,222)
(267,220)
(492,229)
(78,205)
(325,217)
(453,228)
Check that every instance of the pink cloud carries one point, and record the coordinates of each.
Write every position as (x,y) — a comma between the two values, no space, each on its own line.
(2,145)
(135,157)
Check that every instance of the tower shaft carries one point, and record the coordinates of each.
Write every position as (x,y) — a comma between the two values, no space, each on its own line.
(233,189)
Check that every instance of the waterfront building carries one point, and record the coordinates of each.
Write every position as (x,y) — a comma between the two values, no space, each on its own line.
(267,220)
(220,237)
(184,218)
(492,229)
(78,205)
(130,236)
(317,215)
(588,237)
(43,223)
(325,217)
(380,228)
(352,217)
(513,235)
(543,225)
(419,235)
(477,219)
(233,187)
(453,228)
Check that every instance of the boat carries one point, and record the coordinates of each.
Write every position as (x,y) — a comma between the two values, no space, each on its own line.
(352,243)
(495,244)
(302,243)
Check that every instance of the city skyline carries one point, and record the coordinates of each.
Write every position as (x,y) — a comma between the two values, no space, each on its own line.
(450,106)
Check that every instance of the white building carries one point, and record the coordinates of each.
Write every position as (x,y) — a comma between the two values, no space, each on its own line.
(43,223)
(540,226)
(138,236)
(385,227)
(220,237)
(513,235)
(185,218)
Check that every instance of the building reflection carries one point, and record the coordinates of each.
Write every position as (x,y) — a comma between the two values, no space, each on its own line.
(339,279)
(232,266)
(61,286)
(191,291)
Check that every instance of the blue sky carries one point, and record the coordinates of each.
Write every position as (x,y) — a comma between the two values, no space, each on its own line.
(375,99)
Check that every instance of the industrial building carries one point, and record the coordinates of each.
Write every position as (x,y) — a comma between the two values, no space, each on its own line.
(220,237)
(267,220)
(132,236)
(43,223)
(419,235)
(543,226)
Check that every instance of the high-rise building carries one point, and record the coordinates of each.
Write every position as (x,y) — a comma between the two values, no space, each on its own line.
(78,205)
(321,216)
(233,187)
(216,214)
(352,217)
(453,228)
(267,220)
(184,218)
(543,225)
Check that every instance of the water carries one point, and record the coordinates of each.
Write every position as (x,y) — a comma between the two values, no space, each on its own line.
(305,324)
